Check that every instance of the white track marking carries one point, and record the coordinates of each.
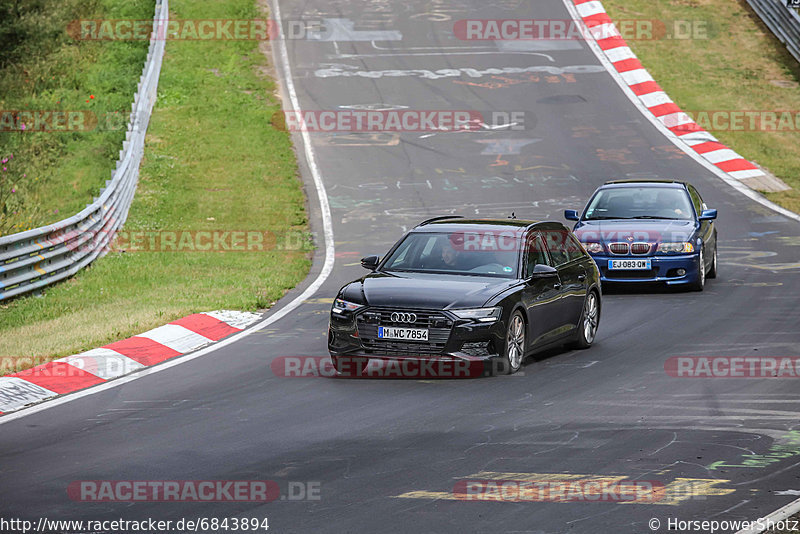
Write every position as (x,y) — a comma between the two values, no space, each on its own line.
(723,154)
(16,393)
(695,138)
(655,98)
(775,517)
(236,319)
(675,119)
(604,31)
(327,267)
(620,53)
(748,173)
(590,8)
(632,77)
(343,30)
(176,337)
(435,48)
(438,54)
(103,362)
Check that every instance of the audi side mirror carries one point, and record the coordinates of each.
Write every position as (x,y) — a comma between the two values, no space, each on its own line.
(708,215)
(543,271)
(370,262)
(571,215)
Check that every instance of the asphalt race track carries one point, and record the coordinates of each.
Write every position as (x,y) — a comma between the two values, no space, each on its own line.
(386,454)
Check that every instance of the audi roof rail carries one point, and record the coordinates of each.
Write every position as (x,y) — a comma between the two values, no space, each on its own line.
(440,218)
(644,180)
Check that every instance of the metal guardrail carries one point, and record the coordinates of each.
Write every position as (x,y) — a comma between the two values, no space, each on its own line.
(39,257)
(782,20)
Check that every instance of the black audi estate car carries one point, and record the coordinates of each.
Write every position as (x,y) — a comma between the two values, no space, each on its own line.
(491,291)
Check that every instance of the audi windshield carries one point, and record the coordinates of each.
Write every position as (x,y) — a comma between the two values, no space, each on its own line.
(467,253)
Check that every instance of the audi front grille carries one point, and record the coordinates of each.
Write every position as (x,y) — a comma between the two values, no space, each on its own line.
(437,324)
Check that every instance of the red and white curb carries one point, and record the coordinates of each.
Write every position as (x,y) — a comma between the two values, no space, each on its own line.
(116,359)
(655,99)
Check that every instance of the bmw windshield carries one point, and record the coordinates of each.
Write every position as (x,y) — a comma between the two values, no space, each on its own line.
(640,203)
(480,253)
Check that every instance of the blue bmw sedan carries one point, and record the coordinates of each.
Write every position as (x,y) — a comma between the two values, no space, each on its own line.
(649,231)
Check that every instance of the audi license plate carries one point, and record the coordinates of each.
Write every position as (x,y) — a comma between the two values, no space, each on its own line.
(629,265)
(406,334)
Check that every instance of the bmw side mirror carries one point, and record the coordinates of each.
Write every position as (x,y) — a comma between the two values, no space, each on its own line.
(543,271)
(370,262)
(571,215)
(708,215)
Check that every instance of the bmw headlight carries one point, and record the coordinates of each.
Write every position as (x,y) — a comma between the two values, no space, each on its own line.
(340,306)
(593,248)
(483,315)
(676,248)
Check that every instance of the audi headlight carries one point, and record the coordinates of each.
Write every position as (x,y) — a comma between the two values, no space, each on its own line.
(483,315)
(593,248)
(340,306)
(672,248)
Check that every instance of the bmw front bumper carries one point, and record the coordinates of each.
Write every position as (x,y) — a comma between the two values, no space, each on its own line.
(664,268)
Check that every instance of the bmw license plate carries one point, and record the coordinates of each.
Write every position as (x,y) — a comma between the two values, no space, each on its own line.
(629,265)
(406,334)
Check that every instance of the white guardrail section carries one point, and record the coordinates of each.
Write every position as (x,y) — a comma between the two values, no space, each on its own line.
(36,258)
(782,20)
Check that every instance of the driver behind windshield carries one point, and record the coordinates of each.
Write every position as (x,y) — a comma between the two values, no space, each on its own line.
(630,203)
(450,256)
(455,256)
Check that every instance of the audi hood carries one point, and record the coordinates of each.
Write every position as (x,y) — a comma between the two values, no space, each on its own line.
(424,291)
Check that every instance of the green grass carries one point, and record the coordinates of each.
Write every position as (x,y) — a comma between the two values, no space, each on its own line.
(741,66)
(213,162)
(52,175)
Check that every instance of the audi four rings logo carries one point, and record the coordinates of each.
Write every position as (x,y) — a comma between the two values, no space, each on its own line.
(402,317)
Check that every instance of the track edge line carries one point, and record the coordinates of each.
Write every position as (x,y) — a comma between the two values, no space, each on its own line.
(778,515)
